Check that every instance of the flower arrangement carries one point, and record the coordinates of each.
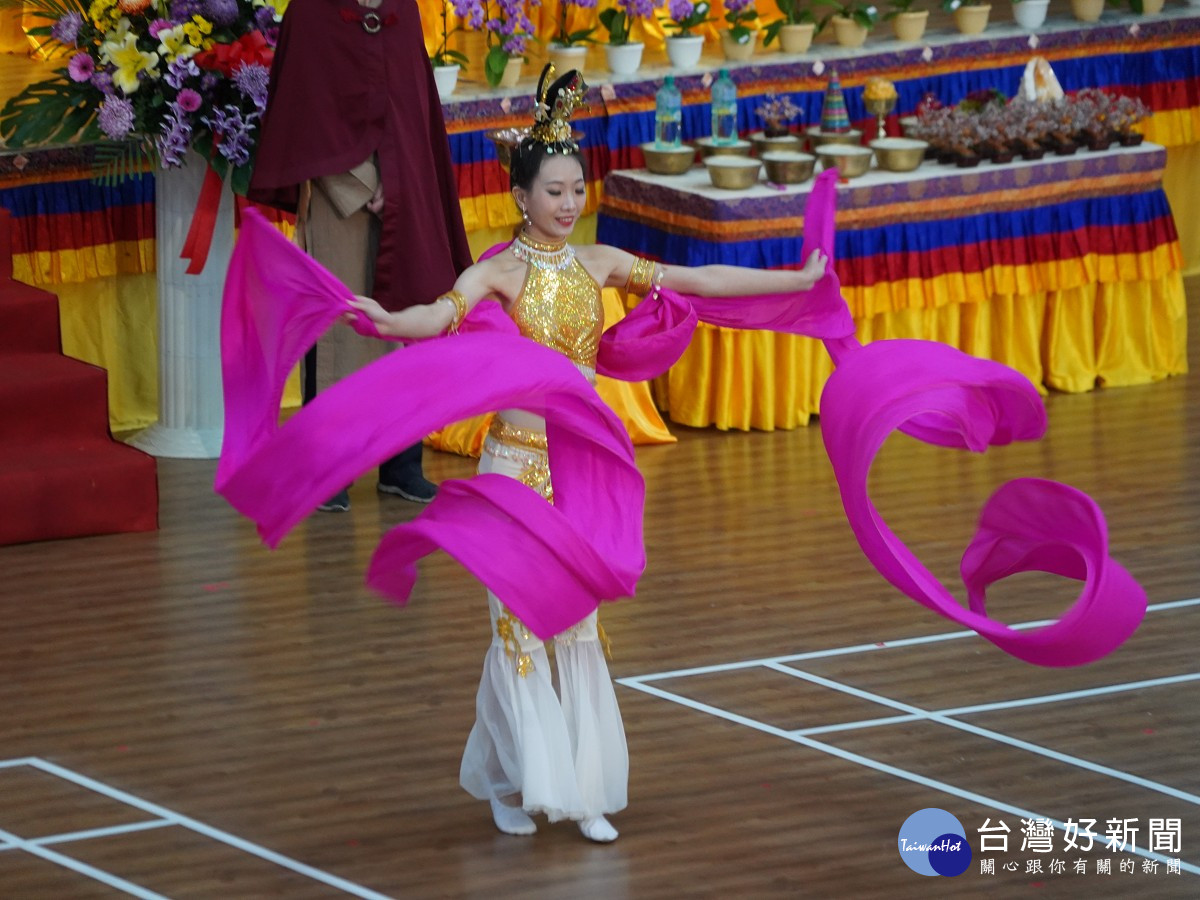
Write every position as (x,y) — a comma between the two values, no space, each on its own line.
(618,20)
(739,14)
(776,112)
(792,14)
(684,15)
(158,76)
(470,16)
(508,31)
(566,38)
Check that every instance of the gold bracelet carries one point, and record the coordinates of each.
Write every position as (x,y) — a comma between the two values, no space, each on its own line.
(460,309)
(645,275)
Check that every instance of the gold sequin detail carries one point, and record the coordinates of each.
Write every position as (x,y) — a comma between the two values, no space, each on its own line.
(561,309)
(527,448)
(506,629)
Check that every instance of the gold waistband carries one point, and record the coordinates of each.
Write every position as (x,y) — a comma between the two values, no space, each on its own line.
(514,436)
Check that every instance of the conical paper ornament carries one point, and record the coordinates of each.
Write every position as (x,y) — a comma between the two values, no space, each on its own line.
(833,111)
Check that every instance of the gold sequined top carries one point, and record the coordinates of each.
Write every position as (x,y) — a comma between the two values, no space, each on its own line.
(561,309)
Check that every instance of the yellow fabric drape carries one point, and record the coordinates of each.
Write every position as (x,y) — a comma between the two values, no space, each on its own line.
(1069,340)
(1180,180)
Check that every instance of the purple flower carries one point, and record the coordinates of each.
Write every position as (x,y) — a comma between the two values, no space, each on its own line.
(183,10)
(115,117)
(264,18)
(221,13)
(208,81)
(737,6)
(679,10)
(188,100)
(638,9)
(176,136)
(236,131)
(102,81)
(252,80)
(180,71)
(158,26)
(81,67)
(66,29)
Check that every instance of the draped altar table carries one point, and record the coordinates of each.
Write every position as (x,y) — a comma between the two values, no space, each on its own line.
(1066,268)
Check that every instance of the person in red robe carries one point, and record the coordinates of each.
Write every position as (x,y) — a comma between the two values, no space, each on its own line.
(353,141)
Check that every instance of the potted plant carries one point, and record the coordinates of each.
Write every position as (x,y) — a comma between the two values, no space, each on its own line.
(568,49)
(1030,13)
(446,62)
(739,39)
(794,30)
(1087,10)
(624,55)
(683,47)
(908,23)
(508,30)
(971,16)
(1146,7)
(852,20)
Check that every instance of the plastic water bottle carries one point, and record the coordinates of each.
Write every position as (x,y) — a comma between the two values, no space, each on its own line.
(724,109)
(668,114)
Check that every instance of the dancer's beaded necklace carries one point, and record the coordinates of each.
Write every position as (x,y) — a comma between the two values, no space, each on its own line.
(540,255)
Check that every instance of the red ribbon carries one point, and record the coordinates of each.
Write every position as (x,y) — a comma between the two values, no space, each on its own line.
(228,58)
(204,222)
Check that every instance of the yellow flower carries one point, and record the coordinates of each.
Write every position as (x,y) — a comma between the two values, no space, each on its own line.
(104,13)
(129,60)
(197,31)
(173,43)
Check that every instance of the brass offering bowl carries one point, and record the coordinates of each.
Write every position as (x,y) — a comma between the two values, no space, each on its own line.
(880,108)
(668,160)
(787,142)
(818,138)
(789,166)
(734,173)
(707,148)
(899,154)
(850,161)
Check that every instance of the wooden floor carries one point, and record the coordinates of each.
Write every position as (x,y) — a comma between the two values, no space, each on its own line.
(238,701)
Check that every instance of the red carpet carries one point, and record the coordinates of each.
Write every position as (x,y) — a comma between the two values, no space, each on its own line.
(61,473)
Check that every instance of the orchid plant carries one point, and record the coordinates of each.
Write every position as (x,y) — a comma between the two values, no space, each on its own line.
(739,14)
(684,15)
(793,14)
(565,37)
(508,31)
(470,16)
(618,20)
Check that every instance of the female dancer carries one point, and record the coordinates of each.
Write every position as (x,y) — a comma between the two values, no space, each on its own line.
(532,750)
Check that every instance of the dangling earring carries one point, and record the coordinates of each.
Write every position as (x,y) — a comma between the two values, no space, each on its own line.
(525,215)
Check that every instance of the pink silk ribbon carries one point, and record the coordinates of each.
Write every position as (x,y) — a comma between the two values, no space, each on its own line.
(553,564)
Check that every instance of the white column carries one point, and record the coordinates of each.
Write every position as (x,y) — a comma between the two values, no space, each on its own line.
(191,409)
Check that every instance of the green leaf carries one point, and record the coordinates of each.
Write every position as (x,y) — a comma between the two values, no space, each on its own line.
(493,65)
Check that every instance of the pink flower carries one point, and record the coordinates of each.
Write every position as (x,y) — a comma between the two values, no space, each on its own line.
(188,100)
(81,67)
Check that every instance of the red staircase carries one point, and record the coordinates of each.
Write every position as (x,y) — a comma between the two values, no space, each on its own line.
(61,473)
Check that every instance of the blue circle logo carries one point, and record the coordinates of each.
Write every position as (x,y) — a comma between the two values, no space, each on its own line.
(933,842)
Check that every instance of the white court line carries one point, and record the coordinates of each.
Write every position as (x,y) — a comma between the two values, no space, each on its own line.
(81,867)
(887,769)
(1005,704)
(633,680)
(193,825)
(72,836)
(997,736)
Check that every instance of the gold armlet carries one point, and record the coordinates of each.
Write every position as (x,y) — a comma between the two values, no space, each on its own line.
(460,309)
(644,276)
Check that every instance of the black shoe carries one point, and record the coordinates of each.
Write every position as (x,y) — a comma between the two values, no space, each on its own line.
(339,502)
(416,488)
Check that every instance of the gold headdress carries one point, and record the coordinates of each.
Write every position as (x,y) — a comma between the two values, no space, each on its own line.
(552,118)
